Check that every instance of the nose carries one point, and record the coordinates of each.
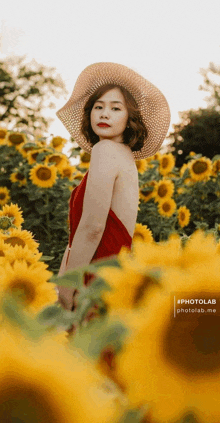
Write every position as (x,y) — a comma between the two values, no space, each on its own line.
(104,113)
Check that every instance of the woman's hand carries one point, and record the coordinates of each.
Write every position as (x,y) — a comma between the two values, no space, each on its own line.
(66,297)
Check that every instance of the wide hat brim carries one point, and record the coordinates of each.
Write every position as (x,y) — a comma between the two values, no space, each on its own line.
(151,102)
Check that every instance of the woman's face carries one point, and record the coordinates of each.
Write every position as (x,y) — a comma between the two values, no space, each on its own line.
(109,116)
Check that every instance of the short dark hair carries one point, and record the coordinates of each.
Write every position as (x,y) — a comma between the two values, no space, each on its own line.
(134,135)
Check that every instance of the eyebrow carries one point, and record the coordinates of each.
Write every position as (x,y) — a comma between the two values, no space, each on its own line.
(100,101)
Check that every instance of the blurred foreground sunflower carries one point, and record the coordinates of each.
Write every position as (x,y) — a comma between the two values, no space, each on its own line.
(42,382)
(28,284)
(172,360)
(12,210)
(200,169)
(4,195)
(43,176)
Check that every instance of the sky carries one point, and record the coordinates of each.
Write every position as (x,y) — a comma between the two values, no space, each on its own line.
(168,42)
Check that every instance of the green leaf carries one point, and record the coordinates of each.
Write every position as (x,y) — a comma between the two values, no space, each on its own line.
(71,279)
(99,334)
(132,416)
(46,258)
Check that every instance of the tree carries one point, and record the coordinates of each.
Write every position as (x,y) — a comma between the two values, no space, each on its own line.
(211,84)
(199,130)
(27,92)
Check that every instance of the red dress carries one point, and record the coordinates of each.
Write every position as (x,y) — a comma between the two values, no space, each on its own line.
(114,236)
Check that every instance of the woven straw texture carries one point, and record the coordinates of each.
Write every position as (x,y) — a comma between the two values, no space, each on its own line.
(151,102)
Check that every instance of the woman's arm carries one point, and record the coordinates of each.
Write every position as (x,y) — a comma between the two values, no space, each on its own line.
(83,248)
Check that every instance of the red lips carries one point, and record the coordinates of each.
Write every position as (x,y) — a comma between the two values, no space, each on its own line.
(103,125)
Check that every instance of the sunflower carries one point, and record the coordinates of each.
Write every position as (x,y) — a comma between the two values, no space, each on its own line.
(15,139)
(58,143)
(183,216)
(43,382)
(18,177)
(166,207)
(4,196)
(146,191)
(200,169)
(67,171)
(78,175)
(129,286)
(3,248)
(141,165)
(3,133)
(28,284)
(43,176)
(172,361)
(25,148)
(143,233)
(22,238)
(85,160)
(183,169)
(167,163)
(163,189)
(216,167)
(13,211)
(22,253)
(156,156)
(58,160)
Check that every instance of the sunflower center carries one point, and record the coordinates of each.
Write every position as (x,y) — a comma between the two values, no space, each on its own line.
(2,195)
(192,342)
(2,134)
(182,216)
(138,235)
(20,176)
(15,240)
(16,138)
(162,190)
(43,173)
(34,155)
(57,141)
(2,253)
(166,207)
(23,289)
(199,167)
(164,162)
(56,159)
(67,172)
(85,158)
(141,289)
(22,403)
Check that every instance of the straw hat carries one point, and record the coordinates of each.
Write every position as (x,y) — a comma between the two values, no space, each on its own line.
(151,102)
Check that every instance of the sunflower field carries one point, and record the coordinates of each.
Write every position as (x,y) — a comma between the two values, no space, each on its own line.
(143,343)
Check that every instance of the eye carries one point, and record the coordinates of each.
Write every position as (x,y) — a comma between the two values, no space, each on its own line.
(116,108)
(97,107)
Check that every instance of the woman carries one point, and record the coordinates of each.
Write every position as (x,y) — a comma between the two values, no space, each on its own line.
(118,117)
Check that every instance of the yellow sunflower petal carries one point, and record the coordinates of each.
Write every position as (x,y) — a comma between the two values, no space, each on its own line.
(167,163)
(20,237)
(200,169)
(4,196)
(167,207)
(183,216)
(14,211)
